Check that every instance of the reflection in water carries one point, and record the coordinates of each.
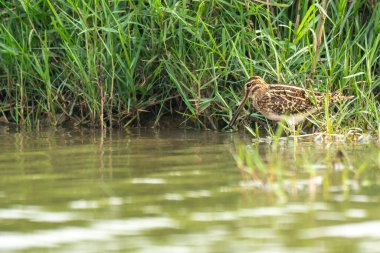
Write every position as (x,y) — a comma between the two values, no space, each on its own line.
(369,229)
(143,190)
(98,231)
(34,214)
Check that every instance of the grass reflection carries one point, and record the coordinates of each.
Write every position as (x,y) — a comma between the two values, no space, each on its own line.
(289,168)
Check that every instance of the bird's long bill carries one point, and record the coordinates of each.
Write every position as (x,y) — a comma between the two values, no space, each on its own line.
(238,110)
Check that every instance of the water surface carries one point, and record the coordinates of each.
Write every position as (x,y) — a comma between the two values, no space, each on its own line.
(72,190)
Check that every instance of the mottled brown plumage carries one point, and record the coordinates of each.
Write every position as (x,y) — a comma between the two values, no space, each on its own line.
(283,102)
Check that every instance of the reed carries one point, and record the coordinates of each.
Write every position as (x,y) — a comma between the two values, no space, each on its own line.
(120,62)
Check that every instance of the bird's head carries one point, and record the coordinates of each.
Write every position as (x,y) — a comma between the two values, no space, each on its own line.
(253,84)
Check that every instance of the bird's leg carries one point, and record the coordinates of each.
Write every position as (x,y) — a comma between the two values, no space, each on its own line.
(250,109)
(302,132)
(260,122)
(295,138)
(255,119)
(291,124)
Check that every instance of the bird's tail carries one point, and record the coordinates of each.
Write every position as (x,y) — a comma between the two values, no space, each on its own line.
(336,97)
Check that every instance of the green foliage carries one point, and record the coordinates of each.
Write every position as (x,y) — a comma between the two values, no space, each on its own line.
(111,61)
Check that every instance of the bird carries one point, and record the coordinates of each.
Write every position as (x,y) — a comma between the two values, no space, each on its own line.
(287,103)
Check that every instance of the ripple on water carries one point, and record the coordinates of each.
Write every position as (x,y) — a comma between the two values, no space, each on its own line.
(148,181)
(35,214)
(368,229)
(99,231)
(94,204)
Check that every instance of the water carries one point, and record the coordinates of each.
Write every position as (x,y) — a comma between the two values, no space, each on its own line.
(182,191)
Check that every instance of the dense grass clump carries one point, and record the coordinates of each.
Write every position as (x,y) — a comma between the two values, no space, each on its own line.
(118,62)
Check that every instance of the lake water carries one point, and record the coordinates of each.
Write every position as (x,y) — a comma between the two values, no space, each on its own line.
(73,190)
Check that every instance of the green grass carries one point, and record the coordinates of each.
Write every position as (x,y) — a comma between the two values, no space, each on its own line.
(119,62)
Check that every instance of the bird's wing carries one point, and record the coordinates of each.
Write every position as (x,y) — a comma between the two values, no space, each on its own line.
(286,100)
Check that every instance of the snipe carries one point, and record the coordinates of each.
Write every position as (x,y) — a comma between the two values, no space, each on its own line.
(283,102)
